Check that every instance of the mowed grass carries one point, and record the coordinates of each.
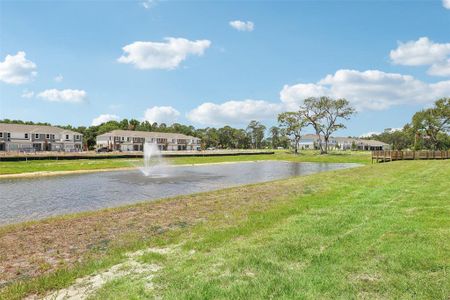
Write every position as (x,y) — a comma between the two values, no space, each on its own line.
(95,164)
(379,232)
(376,232)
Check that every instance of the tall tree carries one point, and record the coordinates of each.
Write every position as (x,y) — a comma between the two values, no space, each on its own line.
(256,131)
(430,123)
(325,115)
(292,124)
(275,136)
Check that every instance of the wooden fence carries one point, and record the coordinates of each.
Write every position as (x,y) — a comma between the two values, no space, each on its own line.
(385,156)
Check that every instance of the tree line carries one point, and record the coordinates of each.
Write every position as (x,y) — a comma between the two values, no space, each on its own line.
(429,128)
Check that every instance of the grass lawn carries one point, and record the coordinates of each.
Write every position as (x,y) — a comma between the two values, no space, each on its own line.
(92,164)
(376,232)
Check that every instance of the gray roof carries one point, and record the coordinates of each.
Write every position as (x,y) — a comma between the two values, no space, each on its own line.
(147,134)
(7,127)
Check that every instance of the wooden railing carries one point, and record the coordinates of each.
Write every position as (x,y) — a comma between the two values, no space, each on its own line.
(384,156)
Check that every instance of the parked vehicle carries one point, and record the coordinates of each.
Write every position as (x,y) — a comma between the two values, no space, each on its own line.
(103,149)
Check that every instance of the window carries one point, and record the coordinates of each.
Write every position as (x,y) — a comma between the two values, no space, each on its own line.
(123,138)
(77,137)
(53,136)
(67,136)
(1,134)
(9,135)
(26,135)
(36,136)
(47,136)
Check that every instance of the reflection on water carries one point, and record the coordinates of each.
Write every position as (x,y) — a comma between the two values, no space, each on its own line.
(30,199)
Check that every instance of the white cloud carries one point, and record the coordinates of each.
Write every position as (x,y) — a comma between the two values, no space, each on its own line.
(161,114)
(162,55)
(27,94)
(104,118)
(233,112)
(440,69)
(372,89)
(446,4)
(59,78)
(147,4)
(424,52)
(67,96)
(16,69)
(242,25)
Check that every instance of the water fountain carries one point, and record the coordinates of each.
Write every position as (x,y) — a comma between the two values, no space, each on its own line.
(154,164)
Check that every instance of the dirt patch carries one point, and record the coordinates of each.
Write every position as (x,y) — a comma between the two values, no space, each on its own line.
(34,249)
(87,286)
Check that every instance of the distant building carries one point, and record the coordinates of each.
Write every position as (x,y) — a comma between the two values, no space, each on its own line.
(311,141)
(127,140)
(28,138)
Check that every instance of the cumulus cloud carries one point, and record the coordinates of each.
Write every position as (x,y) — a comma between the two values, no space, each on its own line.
(27,94)
(104,118)
(16,69)
(67,95)
(58,78)
(371,90)
(446,4)
(242,25)
(440,68)
(166,55)
(233,112)
(147,4)
(161,114)
(423,52)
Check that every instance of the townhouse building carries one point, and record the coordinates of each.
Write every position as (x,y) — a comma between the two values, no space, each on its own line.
(311,141)
(30,138)
(127,140)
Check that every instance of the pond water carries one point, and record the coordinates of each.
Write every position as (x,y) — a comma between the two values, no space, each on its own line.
(31,199)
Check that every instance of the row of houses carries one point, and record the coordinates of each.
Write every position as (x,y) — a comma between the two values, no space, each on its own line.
(126,140)
(31,138)
(312,141)
(27,138)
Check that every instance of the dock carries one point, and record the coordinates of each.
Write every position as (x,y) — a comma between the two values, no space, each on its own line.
(392,155)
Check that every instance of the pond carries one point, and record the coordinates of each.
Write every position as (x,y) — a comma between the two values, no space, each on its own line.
(36,198)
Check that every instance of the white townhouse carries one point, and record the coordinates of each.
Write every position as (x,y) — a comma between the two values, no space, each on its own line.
(311,141)
(30,138)
(127,140)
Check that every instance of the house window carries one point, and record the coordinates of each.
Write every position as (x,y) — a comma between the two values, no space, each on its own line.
(47,136)
(1,134)
(53,136)
(67,136)
(9,135)
(77,137)
(123,138)
(36,136)
(26,135)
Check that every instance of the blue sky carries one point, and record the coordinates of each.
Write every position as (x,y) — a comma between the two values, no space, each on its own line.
(73,62)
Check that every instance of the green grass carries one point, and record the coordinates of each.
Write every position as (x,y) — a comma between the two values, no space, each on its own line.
(376,232)
(93,164)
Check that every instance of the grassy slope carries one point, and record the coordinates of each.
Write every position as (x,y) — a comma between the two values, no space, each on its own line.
(380,231)
(92,164)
